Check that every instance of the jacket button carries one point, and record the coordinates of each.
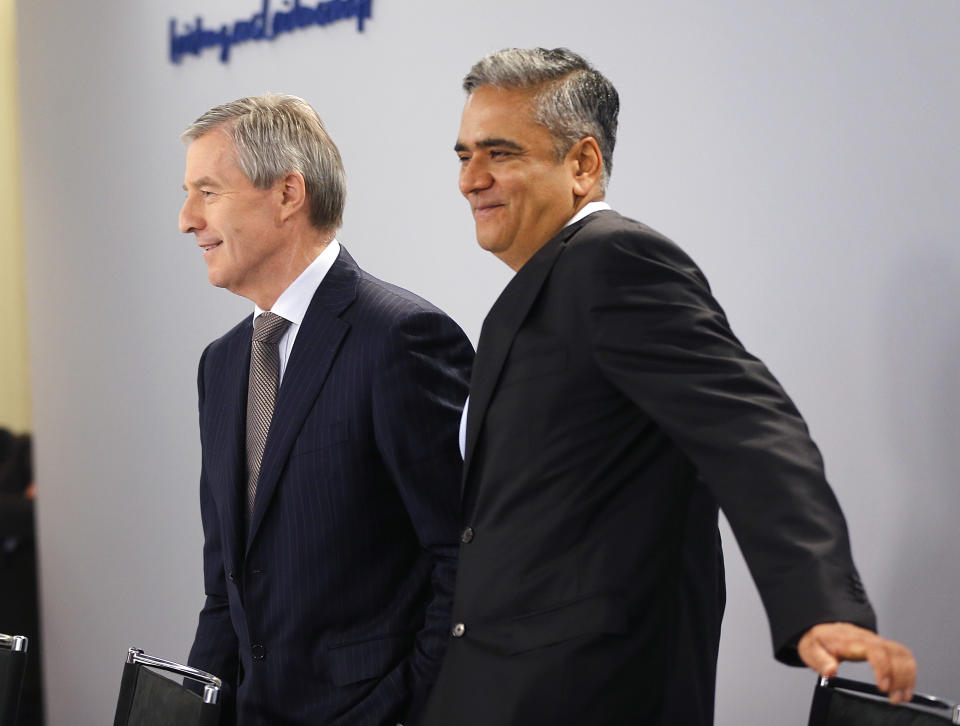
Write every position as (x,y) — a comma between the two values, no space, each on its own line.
(233,578)
(258,651)
(467,536)
(458,630)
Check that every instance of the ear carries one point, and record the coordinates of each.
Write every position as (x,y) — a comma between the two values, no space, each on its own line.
(586,164)
(293,195)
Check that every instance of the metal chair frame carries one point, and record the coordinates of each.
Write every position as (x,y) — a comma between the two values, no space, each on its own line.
(10,703)
(16,643)
(929,704)
(211,684)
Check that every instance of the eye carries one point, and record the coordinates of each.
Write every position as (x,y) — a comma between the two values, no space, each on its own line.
(463,158)
(205,193)
(501,154)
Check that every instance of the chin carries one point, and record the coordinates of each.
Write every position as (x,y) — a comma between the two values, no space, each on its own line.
(215,280)
(491,245)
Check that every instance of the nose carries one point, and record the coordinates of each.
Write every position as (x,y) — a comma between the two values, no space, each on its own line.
(474,176)
(190,220)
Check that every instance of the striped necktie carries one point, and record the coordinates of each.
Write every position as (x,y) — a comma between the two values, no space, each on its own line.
(261,393)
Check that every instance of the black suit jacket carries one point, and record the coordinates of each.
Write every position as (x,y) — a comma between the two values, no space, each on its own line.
(612,409)
(334,607)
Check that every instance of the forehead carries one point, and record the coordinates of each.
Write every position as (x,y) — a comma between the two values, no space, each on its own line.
(212,156)
(492,112)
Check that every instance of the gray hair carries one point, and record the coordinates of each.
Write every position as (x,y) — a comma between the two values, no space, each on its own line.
(275,134)
(572,99)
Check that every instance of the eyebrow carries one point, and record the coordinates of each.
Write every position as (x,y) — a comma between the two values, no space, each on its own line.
(204,181)
(488,143)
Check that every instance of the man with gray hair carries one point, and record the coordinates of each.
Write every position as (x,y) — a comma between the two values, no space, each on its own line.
(611,411)
(329,478)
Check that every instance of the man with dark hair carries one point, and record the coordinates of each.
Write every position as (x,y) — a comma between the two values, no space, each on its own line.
(329,481)
(611,411)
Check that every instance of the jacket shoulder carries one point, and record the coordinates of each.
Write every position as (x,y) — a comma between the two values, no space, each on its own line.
(383,302)
(608,243)
(603,230)
(242,331)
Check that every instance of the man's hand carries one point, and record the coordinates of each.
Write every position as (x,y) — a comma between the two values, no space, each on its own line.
(825,645)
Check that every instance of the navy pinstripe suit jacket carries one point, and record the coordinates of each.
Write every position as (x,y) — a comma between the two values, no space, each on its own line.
(334,607)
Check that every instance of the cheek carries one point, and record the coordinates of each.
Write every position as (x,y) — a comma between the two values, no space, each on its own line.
(237,228)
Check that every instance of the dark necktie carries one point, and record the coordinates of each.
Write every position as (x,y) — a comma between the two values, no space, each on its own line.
(261,393)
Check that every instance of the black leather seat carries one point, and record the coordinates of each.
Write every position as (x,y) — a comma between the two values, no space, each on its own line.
(150,699)
(844,702)
(13,661)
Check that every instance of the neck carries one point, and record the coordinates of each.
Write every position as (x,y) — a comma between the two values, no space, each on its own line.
(517,258)
(301,252)
(595,196)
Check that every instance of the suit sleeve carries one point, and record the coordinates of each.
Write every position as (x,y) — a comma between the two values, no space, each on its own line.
(418,397)
(661,338)
(215,647)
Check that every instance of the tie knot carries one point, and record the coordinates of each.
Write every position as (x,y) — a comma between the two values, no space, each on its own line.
(269,328)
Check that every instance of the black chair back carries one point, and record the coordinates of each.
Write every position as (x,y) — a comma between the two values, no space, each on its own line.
(150,699)
(844,702)
(13,661)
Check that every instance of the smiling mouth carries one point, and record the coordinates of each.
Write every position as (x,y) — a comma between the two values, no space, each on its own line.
(486,209)
(207,248)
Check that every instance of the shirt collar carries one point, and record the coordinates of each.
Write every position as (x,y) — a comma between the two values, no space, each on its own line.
(293,302)
(589,208)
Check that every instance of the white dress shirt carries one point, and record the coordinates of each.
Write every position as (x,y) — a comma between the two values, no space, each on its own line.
(293,302)
(589,208)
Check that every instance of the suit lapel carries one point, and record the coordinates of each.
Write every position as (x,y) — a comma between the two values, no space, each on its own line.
(318,341)
(227,451)
(499,329)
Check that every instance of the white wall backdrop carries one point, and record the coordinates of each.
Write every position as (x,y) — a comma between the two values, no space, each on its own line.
(805,154)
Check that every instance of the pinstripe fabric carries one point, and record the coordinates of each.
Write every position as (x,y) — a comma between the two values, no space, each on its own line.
(333,607)
(261,392)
